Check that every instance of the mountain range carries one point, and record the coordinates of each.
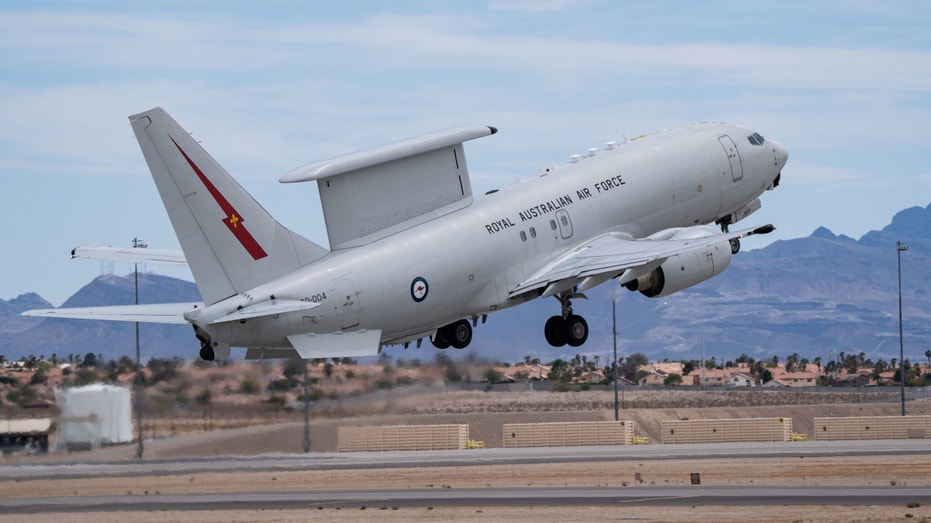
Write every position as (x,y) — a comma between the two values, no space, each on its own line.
(816,296)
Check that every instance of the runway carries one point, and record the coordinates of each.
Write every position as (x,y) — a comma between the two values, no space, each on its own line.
(374,460)
(249,493)
(481,497)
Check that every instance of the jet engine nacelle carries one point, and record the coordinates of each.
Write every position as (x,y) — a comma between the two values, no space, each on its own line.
(687,269)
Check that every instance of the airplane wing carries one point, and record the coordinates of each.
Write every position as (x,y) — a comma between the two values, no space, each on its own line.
(131,255)
(147,313)
(615,254)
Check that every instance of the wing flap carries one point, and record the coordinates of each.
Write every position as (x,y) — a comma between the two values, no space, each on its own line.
(172,313)
(614,254)
(350,344)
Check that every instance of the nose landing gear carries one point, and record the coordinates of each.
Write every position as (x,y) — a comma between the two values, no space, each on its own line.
(568,328)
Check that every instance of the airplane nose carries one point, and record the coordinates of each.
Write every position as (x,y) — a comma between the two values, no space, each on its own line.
(781,154)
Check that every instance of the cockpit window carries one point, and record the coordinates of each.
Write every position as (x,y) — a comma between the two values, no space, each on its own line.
(755,139)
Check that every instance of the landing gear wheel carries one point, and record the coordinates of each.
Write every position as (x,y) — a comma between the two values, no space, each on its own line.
(555,331)
(459,334)
(576,330)
(206,353)
(441,339)
(735,245)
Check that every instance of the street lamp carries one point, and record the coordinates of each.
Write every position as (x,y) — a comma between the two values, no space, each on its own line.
(614,337)
(899,247)
(138,244)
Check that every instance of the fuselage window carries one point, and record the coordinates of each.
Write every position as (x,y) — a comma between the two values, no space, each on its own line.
(533,232)
(564,220)
(553,224)
(523,236)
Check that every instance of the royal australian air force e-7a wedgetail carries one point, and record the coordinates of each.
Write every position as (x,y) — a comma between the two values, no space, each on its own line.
(415,255)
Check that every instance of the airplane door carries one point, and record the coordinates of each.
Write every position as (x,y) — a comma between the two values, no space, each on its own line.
(565,224)
(733,156)
(347,303)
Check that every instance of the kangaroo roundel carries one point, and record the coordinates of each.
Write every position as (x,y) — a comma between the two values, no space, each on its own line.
(419,289)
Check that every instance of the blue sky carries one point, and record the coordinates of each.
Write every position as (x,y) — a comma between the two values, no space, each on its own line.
(269,86)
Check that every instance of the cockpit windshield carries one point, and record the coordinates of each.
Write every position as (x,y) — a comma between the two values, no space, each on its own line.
(755,139)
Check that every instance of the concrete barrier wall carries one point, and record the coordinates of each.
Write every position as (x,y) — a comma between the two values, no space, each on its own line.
(872,427)
(402,437)
(727,430)
(569,434)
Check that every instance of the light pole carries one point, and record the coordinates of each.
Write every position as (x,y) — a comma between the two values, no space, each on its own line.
(306,410)
(617,414)
(138,244)
(899,247)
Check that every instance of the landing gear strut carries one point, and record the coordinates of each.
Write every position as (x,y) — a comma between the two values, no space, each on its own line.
(568,328)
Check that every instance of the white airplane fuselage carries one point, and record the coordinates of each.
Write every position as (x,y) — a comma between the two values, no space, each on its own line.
(465,264)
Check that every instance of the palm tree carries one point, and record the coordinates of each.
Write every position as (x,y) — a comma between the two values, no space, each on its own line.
(928,355)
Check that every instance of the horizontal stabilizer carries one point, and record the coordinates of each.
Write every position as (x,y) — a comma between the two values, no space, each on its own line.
(351,344)
(147,313)
(131,255)
(267,308)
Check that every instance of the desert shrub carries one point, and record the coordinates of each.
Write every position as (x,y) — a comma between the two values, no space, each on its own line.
(280,385)
(250,386)
(561,386)
(84,377)
(14,396)
(452,374)
(312,395)
(203,397)
(162,369)
(277,403)
(493,376)
(38,377)
(293,369)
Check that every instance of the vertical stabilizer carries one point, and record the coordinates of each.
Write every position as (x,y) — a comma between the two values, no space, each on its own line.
(231,243)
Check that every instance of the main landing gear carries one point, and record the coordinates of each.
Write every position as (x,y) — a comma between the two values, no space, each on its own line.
(568,328)
(725,224)
(206,350)
(457,335)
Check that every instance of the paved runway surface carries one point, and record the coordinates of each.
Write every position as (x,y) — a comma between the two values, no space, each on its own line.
(511,497)
(640,495)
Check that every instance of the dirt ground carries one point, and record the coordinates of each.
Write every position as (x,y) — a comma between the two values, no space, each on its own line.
(485,413)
